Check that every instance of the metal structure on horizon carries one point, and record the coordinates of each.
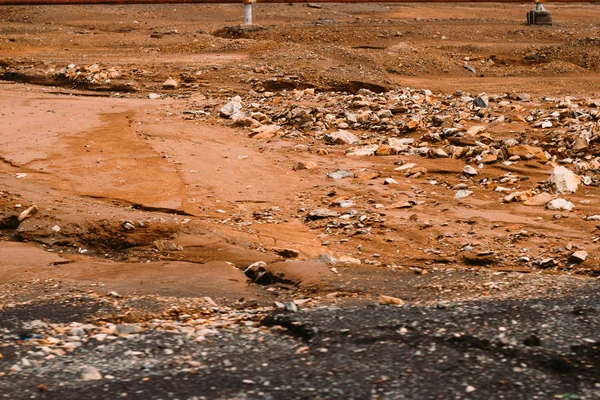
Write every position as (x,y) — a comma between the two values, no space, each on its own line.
(538,16)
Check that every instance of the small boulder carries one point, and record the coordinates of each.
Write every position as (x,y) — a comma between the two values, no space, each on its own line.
(470,171)
(170,84)
(560,205)
(563,180)
(539,199)
(232,107)
(481,101)
(340,137)
(578,257)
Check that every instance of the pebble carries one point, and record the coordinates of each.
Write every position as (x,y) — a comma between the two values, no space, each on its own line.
(468,170)
(90,374)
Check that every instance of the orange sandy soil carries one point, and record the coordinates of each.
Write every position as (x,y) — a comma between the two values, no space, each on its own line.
(98,154)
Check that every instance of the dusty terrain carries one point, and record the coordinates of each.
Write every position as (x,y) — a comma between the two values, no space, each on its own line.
(150,154)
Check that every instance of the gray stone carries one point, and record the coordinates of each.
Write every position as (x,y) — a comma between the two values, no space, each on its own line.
(340,174)
(481,101)
(231,108)
(468,170)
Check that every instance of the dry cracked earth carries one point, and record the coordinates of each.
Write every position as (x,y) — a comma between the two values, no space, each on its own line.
(340,202)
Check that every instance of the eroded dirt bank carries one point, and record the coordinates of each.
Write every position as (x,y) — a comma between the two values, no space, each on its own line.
(189,210)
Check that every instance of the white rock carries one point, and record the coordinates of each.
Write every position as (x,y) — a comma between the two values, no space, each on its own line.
(231,108)
(468,170)
(461,194)
(563,180)
(560,205)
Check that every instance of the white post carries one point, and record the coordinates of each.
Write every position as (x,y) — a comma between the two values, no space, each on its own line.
(248,12)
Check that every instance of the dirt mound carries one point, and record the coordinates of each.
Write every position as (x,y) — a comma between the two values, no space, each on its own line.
(239,31)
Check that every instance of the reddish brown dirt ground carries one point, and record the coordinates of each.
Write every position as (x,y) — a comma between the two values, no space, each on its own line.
(98,153)
(145,190)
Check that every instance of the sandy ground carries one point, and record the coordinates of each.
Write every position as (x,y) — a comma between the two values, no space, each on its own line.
(143,189)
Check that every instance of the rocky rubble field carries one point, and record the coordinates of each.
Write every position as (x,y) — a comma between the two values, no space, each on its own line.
(344,201)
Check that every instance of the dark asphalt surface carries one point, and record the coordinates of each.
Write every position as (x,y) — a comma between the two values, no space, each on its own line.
(534,349)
